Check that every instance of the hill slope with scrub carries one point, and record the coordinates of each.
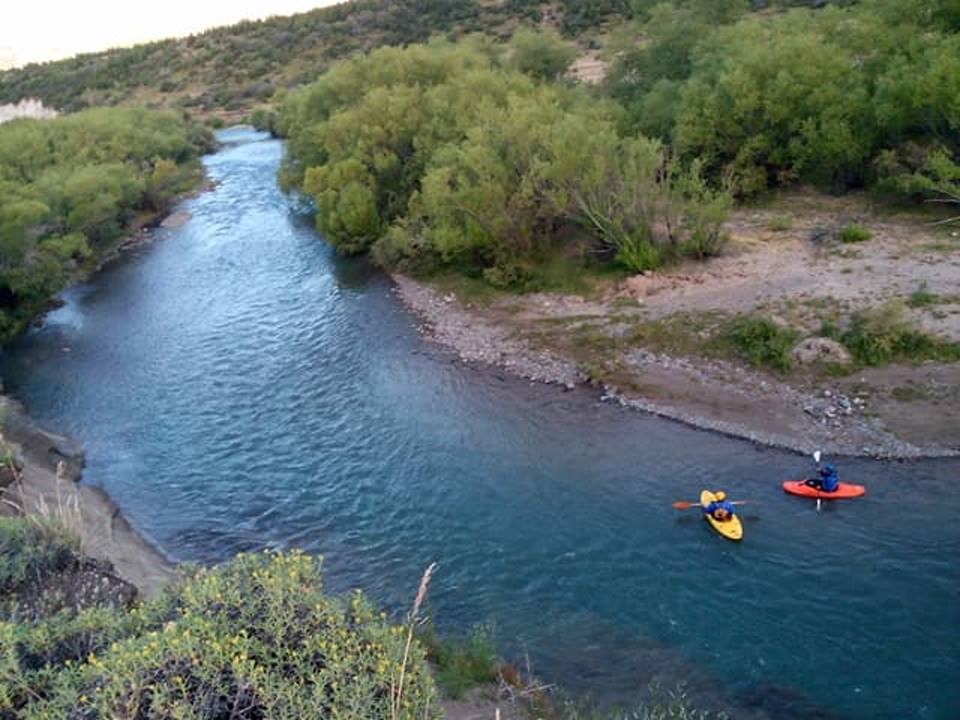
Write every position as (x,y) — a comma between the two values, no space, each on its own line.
(234,68)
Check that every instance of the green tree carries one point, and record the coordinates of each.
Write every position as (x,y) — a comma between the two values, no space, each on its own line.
(69,185)
(542,54)
(758,105)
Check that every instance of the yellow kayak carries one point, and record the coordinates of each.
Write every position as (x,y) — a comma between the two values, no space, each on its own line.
(730,529)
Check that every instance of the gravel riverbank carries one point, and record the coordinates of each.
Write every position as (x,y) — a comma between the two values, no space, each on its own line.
(710,394)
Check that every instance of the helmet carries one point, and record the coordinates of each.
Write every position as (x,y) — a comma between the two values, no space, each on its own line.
(720,495)
(829,469)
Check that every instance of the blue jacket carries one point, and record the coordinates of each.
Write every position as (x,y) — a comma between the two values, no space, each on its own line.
(829,481)
(725,504)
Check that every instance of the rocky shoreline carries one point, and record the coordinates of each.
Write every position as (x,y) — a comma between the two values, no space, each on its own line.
(764,410)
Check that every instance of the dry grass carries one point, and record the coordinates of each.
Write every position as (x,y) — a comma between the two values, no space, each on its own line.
(62,514)
(413,619)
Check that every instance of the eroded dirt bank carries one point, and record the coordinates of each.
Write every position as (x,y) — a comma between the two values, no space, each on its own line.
(646,339)
(104,532)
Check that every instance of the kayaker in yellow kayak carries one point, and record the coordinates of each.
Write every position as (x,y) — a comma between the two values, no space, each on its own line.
(720,508)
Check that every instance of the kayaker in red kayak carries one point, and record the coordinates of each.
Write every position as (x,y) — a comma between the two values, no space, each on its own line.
(827,479)
(720,509)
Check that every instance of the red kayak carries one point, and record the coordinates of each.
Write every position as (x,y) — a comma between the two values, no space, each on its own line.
(845,490)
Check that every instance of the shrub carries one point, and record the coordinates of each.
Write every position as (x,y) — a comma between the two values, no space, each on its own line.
(30,549)
(854,233)
(509,275)
(36,657)
(254,638)
(541,54)
(883,335)
(922,297)
(762,342)
(658,703)
(926,173)
(264,119)
(436,152)
(772,98)
(637,254)
(704,212)
(461,664)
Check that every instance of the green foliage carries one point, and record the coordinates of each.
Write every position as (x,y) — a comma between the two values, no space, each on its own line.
(759,105)
(922,297)
(70,185)
(438,156)
(703,211)
(884,335)
(36,659)
(928,174)
(642,205)
(461,663)
(579,16)
(662,60)
(241,66)
(658,704)
(361,136)
(771,98)
(265,119)
(541,54)
(765,97)
(762,342)
(30,549)
(854,233)
(256,637)
(637,254)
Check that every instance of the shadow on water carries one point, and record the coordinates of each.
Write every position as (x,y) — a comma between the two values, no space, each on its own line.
(351,273)
(237,386)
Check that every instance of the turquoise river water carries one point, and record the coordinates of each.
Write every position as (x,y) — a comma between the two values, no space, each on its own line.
(237,385)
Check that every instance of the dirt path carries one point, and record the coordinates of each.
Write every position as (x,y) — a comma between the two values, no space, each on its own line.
(786,262)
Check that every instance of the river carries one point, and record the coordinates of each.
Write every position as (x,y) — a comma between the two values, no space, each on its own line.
(237,385)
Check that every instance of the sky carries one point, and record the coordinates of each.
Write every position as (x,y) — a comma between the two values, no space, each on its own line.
(38,30)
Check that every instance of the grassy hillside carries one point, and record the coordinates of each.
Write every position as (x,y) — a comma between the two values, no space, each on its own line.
(233,68)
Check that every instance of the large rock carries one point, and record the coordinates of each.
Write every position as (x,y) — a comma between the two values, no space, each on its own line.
(821,350)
